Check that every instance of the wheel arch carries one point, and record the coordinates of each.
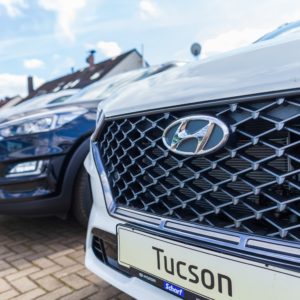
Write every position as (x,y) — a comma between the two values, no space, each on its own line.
(72,171)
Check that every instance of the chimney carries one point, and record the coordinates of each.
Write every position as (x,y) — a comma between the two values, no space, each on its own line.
(30,85)
(91,59)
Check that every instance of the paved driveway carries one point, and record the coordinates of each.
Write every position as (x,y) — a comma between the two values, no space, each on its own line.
(43,259)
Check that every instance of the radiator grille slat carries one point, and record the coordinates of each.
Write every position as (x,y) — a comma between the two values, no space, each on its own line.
(250,185)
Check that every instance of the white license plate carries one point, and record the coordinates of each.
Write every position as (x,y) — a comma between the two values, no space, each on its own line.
(186,270)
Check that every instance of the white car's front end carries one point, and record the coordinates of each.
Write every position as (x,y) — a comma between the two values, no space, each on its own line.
(100,219)
(216,218)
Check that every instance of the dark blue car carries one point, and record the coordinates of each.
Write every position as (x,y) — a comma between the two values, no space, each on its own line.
(42,152)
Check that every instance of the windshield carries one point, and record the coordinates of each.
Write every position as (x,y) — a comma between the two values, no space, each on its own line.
(38,102)
(284,30)
(43,100)
(103,89)
(58,100)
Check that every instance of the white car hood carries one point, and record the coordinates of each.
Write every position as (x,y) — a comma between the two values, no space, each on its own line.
(259,68)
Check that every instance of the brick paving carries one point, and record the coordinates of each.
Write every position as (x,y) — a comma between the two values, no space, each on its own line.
(43,259)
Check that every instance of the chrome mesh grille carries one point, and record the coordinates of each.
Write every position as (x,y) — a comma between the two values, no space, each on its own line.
(250,185)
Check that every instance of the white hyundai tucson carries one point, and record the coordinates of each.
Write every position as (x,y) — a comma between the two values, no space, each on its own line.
(195,176)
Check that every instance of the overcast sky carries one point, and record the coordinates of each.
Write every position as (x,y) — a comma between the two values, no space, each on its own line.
(45,38)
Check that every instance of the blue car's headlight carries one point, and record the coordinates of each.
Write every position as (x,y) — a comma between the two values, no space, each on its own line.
(39,123)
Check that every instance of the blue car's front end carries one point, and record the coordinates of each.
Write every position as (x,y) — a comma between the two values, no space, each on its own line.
(37,170)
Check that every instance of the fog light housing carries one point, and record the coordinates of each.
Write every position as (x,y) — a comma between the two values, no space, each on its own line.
(26,169)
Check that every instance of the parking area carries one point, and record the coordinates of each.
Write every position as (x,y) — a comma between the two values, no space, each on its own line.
(43,259)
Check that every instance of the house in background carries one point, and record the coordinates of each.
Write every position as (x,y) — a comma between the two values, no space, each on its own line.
(127,61)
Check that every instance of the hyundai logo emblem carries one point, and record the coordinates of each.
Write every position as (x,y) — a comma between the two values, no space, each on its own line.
(195,135)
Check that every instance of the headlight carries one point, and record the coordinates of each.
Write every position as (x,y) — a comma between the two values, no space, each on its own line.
(39,123)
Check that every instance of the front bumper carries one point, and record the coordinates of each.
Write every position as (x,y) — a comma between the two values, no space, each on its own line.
(105,218)
(37,193)
(32,186)
(99,218)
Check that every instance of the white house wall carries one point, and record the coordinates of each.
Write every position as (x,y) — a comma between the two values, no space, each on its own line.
(131,62)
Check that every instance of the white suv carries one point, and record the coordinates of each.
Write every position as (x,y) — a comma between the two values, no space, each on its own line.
(195,176)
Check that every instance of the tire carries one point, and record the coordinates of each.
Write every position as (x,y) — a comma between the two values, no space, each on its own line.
(82,198)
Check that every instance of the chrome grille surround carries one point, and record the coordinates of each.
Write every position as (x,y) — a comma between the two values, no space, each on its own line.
(264,158)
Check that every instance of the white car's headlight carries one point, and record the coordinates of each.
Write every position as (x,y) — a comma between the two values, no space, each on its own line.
(39,123)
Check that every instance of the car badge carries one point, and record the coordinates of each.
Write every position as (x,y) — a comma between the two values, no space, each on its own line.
(196,135)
